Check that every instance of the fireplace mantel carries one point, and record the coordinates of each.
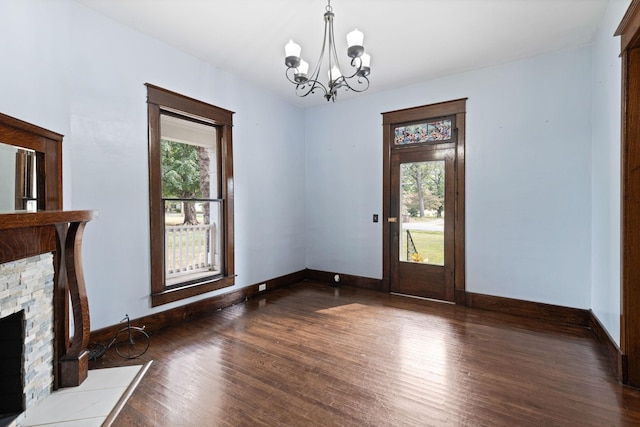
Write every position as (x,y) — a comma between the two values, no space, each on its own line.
(25,234)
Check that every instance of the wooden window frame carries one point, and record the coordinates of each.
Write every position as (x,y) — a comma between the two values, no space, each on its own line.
(161,100)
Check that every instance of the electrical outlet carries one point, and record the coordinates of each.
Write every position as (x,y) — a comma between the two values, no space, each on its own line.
(262,287)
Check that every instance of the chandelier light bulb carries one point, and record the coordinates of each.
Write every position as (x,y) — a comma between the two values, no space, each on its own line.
(355,38)
(292,49)
(364,66)
(292,54)
(355,41)
(300,73)
(366,60)
(303,68)
(334,74)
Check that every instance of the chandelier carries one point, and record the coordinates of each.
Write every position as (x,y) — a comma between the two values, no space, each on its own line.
(297,68)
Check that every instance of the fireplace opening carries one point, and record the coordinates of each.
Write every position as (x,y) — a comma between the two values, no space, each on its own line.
(11,361)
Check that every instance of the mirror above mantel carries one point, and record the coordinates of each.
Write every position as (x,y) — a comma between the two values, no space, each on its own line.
(18,179)
(30,167)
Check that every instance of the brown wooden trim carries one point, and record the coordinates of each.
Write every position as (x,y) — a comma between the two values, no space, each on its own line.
(32,132)
(157,321)
(226,148)
(536,310)
(25,234)
(459,220)
(630,240)
(17,244)
(446,108)
(282,281)
(347,280)
(162,100)
(176,294)
(15,220)
(387,141)
(175,101)
(156,213)
(607,344)
(629,28)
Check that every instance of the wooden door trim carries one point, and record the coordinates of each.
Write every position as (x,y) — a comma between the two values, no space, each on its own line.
(455,108)
(629,30)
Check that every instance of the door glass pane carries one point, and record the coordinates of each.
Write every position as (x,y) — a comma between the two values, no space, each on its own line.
(422,212)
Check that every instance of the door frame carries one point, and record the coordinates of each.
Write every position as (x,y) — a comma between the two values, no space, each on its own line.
(390,119)
(629,32)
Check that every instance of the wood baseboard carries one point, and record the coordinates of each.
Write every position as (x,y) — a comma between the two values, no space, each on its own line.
(558,314)
(346,279)
(157,321)
(553,313)
(609,347)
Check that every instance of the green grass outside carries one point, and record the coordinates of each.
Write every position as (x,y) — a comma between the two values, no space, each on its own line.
(429,244)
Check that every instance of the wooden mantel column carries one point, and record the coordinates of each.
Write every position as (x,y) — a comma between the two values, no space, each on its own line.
(26,234)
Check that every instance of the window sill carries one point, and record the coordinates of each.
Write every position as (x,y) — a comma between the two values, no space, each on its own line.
(176,294)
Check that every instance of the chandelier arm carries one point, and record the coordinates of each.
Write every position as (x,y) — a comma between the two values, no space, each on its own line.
(310,86)
(328,17)
(361,80)
(288,72)
(357,69)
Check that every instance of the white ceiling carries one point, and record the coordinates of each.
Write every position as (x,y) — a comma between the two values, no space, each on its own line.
(409,40)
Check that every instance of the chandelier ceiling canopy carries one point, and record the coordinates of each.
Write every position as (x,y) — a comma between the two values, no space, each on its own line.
(356,78)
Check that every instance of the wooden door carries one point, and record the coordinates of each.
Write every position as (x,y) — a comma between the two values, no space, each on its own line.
(422,227)
(430,138)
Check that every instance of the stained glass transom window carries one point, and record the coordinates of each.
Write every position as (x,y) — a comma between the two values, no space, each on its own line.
(439,130)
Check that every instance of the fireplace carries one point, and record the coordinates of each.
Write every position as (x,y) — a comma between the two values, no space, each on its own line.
(11,354)
(45,245)
(26,333)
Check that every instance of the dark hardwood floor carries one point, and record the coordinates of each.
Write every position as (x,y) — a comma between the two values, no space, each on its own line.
(316,355)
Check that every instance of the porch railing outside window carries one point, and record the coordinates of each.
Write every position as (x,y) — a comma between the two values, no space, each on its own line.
(192,250)
(189,249)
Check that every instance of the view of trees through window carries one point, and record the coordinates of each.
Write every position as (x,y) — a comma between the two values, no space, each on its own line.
(422,236)
(190,195)
(185,175)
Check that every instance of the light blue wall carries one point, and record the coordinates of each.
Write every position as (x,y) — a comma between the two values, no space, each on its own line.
(542,161)
(80,74)
(605,178)
(528,190)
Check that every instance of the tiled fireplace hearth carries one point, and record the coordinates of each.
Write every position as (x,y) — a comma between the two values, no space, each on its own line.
(26,289)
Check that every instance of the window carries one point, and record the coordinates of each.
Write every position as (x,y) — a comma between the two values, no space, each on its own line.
(432,131)
(190,196)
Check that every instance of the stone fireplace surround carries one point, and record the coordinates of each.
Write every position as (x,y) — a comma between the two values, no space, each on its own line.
(27,285)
